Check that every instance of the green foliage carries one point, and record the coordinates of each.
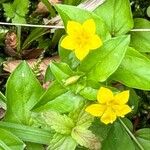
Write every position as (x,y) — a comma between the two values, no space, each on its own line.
(56,117)
(8,141)
(141,40)
(134,66)
(119,17)
(21,102)
(95,64)
(143,135)
(16,10)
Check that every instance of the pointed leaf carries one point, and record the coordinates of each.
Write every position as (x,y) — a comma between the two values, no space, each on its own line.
(134,70)
(22,92)
(10,141)
(119,16)
(61,142)
(101,63)
(60,123)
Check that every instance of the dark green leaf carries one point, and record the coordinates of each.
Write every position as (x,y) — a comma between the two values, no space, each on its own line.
(117,139)
(141,40)
(35,34)
(143,136)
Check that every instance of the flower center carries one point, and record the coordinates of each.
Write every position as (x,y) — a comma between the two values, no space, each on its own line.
(82,39)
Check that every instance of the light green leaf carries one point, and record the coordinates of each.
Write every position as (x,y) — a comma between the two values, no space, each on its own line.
(72,13)
(61,71)
(55,90)
(80,117)
(141,40)
(60,123)
(143,136)
(22,92)
(117,139)
(134,70)
(117,15)
(85,138)
(62,142)
(89,93)
(9,10)
(27,133)
(101,63)
(8,141)
(63,103)
(16,10)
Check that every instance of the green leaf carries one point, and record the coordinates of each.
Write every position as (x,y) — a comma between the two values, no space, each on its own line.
(35,34)
(8,141)
(9,10)
(21,9)
(49,7)
(62,142)
(64,103)
(48,75)
(141,40)
(100,129)
(134,70)
(85,138)
(55,90)
(101,63)
(80,15)
(117,139)
(89,93)
(80,117)
(22,92)
(119,16)
(2,97)
(60,123)
(16,10)
(133,101)
(143,136)
(34,146)
(27,133)
(61,71)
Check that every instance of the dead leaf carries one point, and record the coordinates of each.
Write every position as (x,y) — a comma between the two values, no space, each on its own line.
(10,66)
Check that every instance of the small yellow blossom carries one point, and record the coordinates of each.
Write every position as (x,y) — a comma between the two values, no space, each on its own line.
(81,38)
(109,106)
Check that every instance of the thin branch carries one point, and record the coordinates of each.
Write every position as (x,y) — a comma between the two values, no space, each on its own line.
(140,30)
(32,25)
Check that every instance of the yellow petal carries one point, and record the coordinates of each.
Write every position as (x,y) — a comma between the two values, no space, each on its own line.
(73,28)
(121,110)
(96,109)
(89,26)
(122,98)
(104,95)
(108,117)
(81,53)
(67,43)
(95,42)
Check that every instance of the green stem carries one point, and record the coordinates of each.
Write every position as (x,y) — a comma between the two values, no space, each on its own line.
(19,38)
(131,135)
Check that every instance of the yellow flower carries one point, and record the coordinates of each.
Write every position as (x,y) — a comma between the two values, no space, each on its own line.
(81,38)
(109,106)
